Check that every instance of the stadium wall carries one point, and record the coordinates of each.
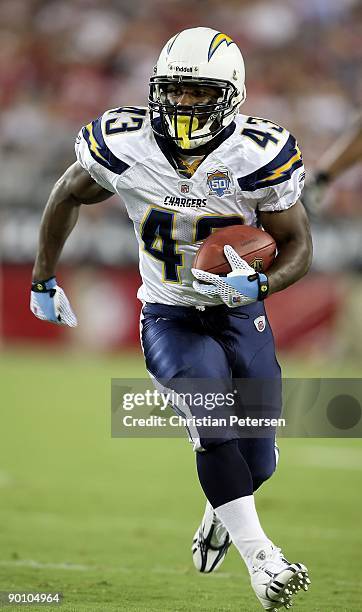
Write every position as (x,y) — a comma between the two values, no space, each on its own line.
(304,317)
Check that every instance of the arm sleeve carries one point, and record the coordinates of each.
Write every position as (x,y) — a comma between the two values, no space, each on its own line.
(279,184)
(283,195)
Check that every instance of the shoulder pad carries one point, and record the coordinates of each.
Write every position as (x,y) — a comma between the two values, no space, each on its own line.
(270,154)
(111,137)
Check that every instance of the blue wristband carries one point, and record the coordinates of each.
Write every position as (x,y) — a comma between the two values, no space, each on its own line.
(263,285)
(44,286)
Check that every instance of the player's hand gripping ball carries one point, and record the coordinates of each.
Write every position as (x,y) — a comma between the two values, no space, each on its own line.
(241,282)
(49,303)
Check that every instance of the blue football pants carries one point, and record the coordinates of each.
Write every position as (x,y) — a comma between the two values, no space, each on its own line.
(223,345)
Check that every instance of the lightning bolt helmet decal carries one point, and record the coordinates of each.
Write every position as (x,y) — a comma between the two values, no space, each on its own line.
(217,40)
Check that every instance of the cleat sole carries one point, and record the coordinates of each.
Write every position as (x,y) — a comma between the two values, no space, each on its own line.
(297,581)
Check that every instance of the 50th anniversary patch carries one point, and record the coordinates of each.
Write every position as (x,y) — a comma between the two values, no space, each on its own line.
(219,182)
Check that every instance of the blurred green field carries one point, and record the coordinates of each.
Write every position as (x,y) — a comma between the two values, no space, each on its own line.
(108,522)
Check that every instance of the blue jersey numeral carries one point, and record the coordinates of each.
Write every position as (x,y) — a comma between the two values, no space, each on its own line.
(132,123)
(157,235)
(260,137)
(206,225)
(157,232)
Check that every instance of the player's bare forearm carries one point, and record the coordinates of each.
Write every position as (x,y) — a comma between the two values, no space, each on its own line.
(291,232)
(346,151)
(74,188)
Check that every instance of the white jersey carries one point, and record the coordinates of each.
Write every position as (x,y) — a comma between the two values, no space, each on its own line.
(257,167)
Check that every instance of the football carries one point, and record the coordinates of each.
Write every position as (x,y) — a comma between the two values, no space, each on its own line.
(254,245)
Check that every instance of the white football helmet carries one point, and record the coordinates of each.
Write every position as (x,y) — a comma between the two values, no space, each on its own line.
(204,57)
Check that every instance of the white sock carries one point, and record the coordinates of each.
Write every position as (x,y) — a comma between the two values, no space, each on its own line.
(220,531)
(242,522)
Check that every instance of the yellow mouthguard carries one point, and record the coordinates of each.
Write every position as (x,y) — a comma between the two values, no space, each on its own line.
(183,126)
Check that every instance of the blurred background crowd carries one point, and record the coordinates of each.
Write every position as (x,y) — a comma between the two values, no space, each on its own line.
(63,62)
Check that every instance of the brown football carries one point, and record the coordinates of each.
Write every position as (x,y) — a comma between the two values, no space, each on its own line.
(252,244)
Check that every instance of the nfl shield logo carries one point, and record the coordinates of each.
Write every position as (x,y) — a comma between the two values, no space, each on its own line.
(184,188)
(259,323)
(218,182)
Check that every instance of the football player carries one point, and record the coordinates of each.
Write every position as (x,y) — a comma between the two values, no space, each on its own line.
(185,166)
(342,155)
